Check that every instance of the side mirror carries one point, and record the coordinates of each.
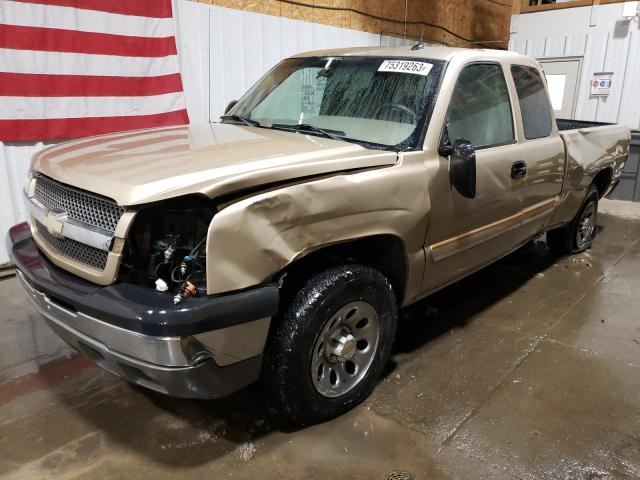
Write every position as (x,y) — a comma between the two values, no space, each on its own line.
(231,104)
(462,168)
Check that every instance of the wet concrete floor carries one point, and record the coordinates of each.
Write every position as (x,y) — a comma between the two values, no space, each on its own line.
(528,369)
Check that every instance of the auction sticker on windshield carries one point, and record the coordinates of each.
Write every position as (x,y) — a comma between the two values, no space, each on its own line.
(406,66)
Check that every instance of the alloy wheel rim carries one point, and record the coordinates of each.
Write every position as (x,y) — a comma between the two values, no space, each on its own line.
(586,226)
(345,348)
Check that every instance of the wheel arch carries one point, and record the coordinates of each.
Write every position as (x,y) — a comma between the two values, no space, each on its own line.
(392,263)
(602,180)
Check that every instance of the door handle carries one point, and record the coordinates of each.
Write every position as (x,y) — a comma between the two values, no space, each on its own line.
(518,169)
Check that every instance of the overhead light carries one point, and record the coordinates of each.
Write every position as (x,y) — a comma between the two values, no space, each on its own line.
(631,10)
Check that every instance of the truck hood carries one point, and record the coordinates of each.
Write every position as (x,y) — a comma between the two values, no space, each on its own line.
(212,159)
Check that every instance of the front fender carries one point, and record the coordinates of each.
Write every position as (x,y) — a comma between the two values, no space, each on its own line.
(253,239)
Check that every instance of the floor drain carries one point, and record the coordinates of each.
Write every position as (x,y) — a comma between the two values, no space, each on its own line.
(400,476)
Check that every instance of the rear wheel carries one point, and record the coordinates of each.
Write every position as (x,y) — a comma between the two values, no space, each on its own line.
(578,235)
(331,344)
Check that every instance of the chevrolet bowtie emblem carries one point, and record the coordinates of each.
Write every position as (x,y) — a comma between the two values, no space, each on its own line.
(55,223)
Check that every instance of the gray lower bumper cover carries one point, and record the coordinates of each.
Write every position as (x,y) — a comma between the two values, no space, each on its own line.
(202,380)
(172,361)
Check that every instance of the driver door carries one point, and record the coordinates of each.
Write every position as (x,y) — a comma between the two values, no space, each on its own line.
(467,233)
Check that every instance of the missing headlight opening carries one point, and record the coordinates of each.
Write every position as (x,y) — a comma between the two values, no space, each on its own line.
(157,256)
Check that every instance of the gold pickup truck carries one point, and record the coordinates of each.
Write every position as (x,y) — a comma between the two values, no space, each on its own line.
(279,243)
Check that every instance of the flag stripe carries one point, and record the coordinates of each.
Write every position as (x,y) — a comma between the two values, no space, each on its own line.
(102,156)
(138,147)
(58,40)
(77,68)
(85,144)
(37,85)
(141,8)
(21,130)
(18,108)
(68,18)
(29,61)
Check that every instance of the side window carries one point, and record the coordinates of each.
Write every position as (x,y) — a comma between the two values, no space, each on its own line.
(534,104)
(480,109)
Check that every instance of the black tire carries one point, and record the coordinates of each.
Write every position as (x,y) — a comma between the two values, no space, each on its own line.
(293,340)
(565,240)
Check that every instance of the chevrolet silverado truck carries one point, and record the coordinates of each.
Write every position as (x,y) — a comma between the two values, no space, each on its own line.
(279,243)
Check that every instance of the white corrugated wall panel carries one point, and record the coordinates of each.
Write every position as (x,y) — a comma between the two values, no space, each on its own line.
(194,55)
(518,45)
(613,44)
(575,45)
(596,47)
(535,47)
(14,166)
(615,60)
(629,113)
(555,47)
(232,49)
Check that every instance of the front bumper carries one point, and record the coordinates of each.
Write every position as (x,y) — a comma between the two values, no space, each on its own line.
(139,335)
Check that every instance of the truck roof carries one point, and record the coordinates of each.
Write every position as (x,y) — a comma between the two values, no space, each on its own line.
(433,52)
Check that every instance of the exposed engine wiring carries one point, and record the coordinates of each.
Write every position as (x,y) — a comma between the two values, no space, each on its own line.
(179,275)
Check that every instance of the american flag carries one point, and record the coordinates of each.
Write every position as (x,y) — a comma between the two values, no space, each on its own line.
(74,68)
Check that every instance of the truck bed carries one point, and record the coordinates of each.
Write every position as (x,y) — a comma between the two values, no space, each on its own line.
(595,146)
(568,124)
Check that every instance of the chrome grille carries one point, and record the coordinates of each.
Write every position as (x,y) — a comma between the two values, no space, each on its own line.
(91,256)
(86,208)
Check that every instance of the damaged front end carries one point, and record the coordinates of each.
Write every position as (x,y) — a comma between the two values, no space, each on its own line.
(166,248)
(138,323)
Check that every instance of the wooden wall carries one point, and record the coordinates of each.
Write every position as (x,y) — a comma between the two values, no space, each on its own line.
(462,21)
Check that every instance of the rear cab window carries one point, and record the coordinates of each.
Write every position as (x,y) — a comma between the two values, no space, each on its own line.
(534,103)
(480,107)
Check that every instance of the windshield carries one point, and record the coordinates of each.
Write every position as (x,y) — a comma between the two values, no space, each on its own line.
(379,102)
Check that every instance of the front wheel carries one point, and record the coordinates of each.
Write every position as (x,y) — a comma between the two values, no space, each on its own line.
(578,235)
(329,347)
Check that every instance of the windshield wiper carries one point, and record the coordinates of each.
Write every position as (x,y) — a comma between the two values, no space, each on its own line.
(305,127)
(238,118)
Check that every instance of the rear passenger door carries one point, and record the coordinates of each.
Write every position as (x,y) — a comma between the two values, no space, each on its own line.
(542,157)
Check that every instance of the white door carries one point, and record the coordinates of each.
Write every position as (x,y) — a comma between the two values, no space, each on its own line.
(562,78)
